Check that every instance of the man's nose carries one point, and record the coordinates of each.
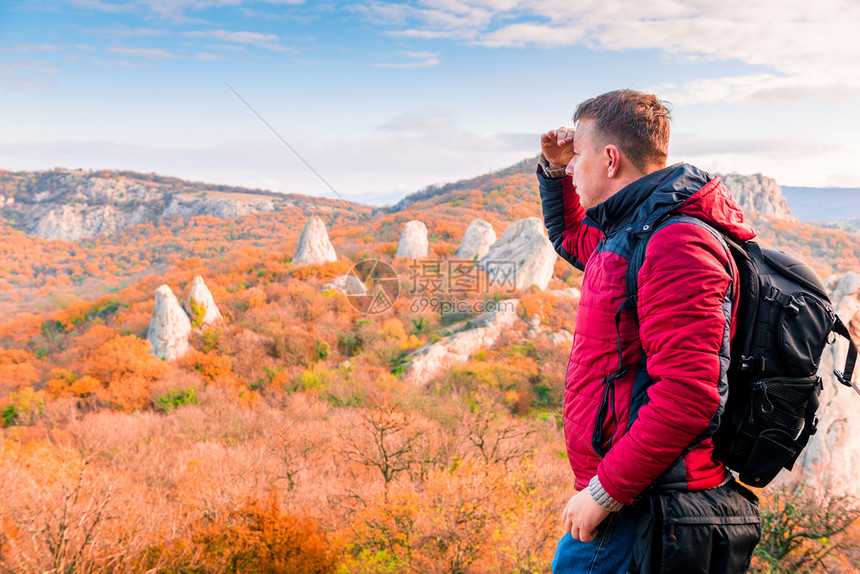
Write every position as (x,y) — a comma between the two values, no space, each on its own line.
(569,169)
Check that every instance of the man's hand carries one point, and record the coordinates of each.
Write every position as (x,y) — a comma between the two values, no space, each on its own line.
(582,515)
(557,147)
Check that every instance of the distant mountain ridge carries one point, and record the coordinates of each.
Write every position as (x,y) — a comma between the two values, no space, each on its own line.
(481,182)
(824,204)
(130,226)
(754,193)
(73,204)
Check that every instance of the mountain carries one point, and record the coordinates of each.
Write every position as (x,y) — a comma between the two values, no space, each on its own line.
(824,203)
(754,193)
(119,227)
(436,193)
(851,225)
(73,204)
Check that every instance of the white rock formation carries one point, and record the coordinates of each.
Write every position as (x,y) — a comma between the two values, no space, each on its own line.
(477,240)
(571,293)
(535,329)
(759,194)
(413,242)
(522,255)
(346,284)
(433,359)
(71,223)
(314,246)
(201,295)
(832,458)
(170,326)
(71,204)
(222,208)
(563,337)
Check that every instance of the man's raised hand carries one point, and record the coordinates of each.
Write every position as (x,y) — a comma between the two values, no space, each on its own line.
(557,147)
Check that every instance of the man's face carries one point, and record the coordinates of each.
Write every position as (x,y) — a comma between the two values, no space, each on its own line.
(587,166)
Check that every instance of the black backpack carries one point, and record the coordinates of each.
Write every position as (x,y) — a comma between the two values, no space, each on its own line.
(785,319)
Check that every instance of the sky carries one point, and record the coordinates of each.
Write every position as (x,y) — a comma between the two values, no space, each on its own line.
(372,100)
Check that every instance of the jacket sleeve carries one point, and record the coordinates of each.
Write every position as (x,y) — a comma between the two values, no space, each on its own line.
(564,217)
(685,309)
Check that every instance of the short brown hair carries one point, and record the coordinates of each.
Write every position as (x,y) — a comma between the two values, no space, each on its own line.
(637,123)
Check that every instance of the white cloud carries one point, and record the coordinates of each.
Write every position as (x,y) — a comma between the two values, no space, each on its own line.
(688,145)
(149,53)
(176,10)
(29,66)
(807,49)
(420,60)
(394,162)
(208,57)
(267,41)
(109,7)
(121,31)
(429,63)
(420,55)
(128,64)
(414,121)
(37,48)
(427,34)
(22,73)
(790,162)
(228,47)
(759,87)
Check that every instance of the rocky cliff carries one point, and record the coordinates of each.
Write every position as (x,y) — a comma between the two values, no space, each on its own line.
(759,194)
(71,204)
(433,359)
(832,458)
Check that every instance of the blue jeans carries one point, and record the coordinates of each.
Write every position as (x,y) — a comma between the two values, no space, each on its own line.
(608,553)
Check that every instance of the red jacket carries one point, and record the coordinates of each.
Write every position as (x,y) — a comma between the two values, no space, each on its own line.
(668,402)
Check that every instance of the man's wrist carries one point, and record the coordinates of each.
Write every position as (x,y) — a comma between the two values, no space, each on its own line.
(601,497)
(549,170)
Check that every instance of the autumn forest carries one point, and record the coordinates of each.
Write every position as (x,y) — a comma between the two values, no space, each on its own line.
(287,438)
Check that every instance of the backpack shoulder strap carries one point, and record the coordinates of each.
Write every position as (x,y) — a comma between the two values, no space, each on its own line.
(844,377)
(637,257)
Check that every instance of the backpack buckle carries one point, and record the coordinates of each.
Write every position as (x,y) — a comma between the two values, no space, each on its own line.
(841,378)
(772,294)
(754,364)
(795,304)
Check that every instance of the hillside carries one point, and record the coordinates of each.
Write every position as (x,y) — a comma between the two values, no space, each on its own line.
(74,204)
(167,451)
(38,272)
(290,427)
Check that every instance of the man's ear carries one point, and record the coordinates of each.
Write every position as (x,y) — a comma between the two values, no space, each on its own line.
(612,159)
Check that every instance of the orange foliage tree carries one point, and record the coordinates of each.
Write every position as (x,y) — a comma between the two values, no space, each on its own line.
(260,537)
(126,369)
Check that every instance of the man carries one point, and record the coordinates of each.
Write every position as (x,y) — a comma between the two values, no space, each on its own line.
(641,402)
